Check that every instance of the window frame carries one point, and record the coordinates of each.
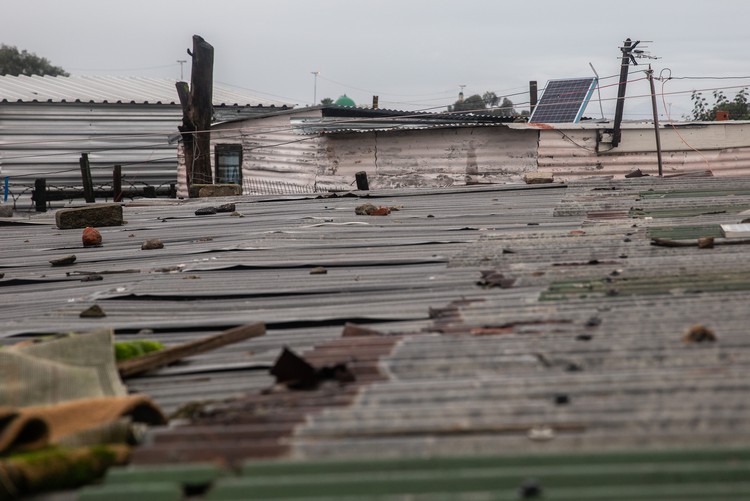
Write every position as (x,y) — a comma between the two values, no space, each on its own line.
(221,149)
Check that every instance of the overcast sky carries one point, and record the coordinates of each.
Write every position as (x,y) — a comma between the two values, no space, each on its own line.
(414,54)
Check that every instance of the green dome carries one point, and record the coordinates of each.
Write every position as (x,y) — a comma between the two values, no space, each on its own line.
(345,101)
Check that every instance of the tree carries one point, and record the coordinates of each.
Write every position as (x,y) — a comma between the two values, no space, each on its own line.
(14,62)
(326,101)
(486,104)
(506,108)
(471,103)
(737,108)
(490,99)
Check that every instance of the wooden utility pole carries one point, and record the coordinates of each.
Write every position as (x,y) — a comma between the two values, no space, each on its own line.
(197,112)
(624,68)
(650,75)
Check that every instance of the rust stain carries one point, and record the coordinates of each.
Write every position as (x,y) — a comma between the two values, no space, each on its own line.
(260,426)
(510,328)
(539,125)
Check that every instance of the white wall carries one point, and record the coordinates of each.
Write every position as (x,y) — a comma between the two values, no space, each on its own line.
(434,157)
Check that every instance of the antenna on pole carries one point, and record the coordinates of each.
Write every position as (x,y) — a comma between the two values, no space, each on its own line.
(598,90)
(461,93)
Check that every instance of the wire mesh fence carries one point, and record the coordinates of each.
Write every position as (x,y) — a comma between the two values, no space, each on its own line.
(254,186)
(21,195)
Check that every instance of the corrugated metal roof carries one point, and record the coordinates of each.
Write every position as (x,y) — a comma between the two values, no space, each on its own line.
(574,342)
(112,89)
(340,126)
(338,119)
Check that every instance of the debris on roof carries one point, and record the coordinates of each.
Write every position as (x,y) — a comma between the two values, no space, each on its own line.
(500,325)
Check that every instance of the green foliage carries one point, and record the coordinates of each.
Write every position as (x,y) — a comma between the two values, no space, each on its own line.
(125,350)
(471,103)
(490,99)
(506,108)
(326,101)
(56,468)
(737,107)
(14,62)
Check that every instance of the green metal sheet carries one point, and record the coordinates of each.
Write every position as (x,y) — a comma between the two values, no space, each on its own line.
(673,212)
(645,285)
(693,232)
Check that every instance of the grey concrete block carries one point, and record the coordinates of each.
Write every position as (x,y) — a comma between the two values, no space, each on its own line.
(538,177)
(95,215)
(215,190)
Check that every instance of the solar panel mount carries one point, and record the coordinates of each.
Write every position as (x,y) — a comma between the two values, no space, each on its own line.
(563,100)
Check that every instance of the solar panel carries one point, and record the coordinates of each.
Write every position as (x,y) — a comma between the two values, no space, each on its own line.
(563,100)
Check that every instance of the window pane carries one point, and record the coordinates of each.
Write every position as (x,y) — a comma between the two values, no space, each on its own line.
(229,164)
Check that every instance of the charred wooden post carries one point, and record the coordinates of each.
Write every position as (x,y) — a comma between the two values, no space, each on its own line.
(117,183)
(362,183)
(197,112)
(88,184)
(186,129)
(40,194)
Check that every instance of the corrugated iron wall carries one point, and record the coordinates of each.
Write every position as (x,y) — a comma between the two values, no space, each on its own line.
(436,157)
(274,159)
(723,148)
(47,139)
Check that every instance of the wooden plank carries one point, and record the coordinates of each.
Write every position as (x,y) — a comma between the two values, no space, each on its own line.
(139,365)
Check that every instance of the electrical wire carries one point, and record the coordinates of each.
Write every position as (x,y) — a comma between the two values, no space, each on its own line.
(246,130)
(669,117)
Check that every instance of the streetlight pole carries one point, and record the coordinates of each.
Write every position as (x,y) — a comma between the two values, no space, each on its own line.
(181,62)
(315,87)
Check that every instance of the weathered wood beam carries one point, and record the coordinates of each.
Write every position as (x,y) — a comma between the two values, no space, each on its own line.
(201,107)
(154,360)
(197,113)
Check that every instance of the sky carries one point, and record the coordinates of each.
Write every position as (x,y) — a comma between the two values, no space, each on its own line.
(413,54)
